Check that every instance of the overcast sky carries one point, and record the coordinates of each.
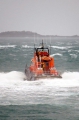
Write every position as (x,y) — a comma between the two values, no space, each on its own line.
(46,17)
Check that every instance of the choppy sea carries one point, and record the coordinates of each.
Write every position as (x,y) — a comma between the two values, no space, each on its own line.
(45,99)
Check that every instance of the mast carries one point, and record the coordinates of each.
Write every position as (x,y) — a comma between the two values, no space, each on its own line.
(42,45)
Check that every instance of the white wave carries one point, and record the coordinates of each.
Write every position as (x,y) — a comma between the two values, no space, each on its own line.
(57,47)
(69,50)
(73,55)
(77,51)
(9,77)
(56,54)
(15,91)
(61,47)
(73,51)
(7,46)
(71,77)
(26,46)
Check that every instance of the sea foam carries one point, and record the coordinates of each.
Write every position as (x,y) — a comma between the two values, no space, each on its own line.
(61,47)
(7,46)
(56,54)
(69,79)
(15,91)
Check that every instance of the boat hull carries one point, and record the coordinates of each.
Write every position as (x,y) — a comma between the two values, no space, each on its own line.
(30,76)
(46,77)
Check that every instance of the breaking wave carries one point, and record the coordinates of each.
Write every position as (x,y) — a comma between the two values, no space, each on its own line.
(73,55)
(15,91)
(77,51)
(56,54)
(7,46)
(68,79)
(62,48)
(26,46)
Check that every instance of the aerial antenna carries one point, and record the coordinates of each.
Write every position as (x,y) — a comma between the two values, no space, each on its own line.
(34,37)
(42,44)
(34,46)
(34,41)
(50,44)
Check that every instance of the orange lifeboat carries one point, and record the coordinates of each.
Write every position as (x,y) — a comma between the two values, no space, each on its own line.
(42,65)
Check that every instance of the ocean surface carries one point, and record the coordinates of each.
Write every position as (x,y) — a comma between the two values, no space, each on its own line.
(45,99)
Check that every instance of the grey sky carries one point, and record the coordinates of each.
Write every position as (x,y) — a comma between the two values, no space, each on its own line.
(51,17)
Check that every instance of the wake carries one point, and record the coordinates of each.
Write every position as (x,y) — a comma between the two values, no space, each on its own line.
(69,79)
(15,91)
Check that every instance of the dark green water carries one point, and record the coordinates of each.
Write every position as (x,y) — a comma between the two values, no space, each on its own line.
(38,112)
(47,99)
